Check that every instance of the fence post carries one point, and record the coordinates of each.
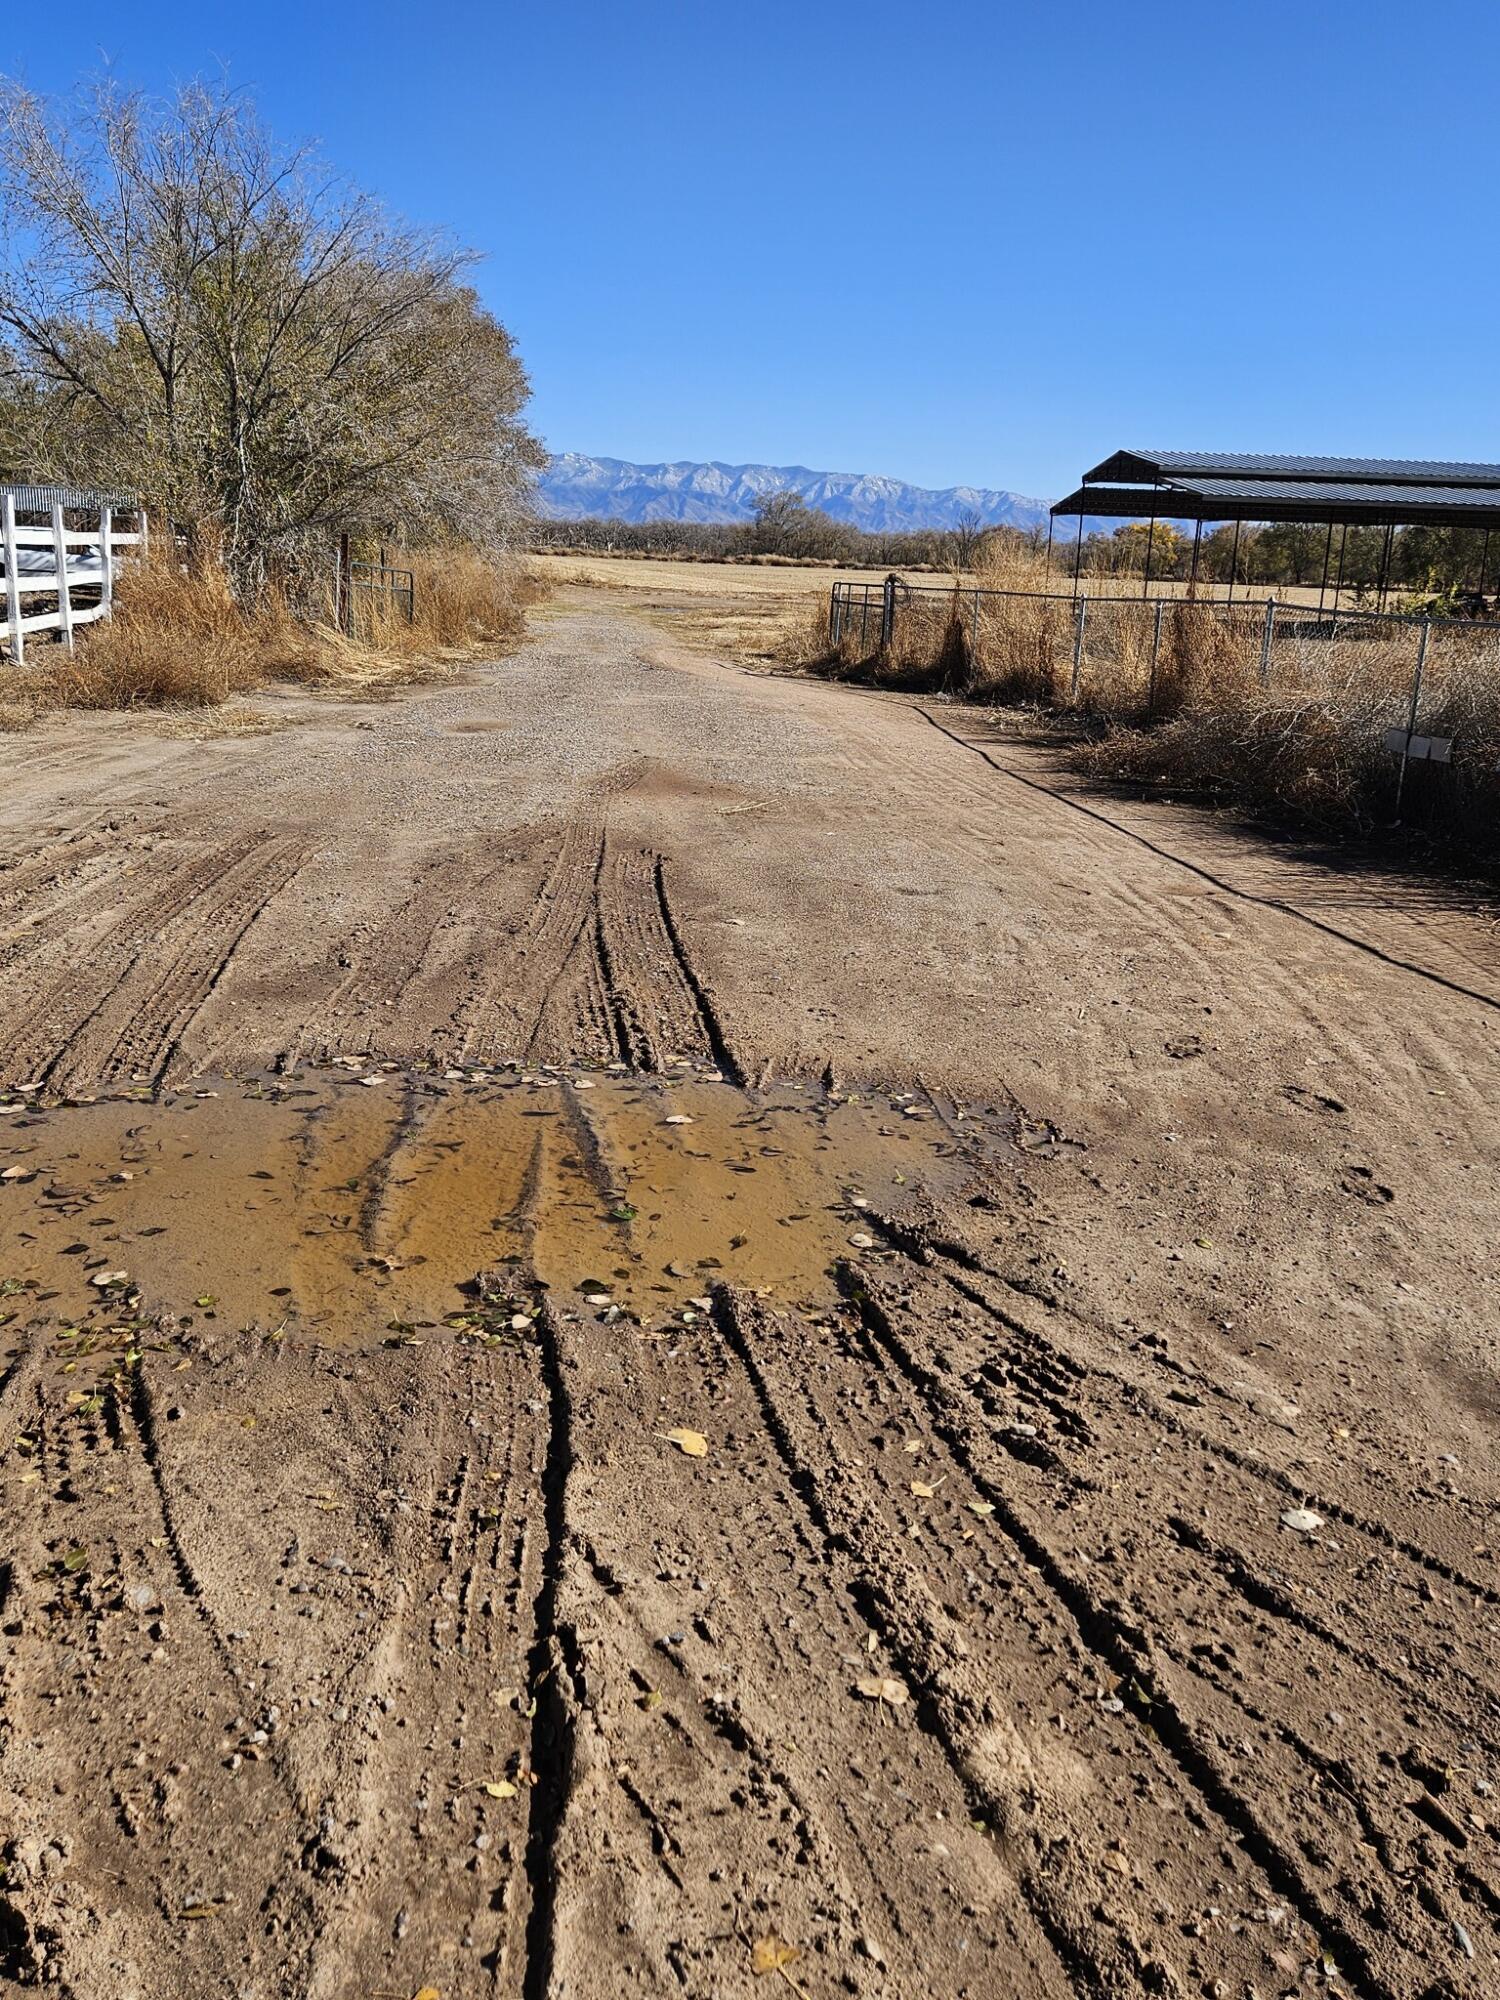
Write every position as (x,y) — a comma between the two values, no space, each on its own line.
(1411,716)
(12,581)
(60,561)
(887,614)
(833,614)
(1161,605)
(1079,616)
(974,642)
(106,559)
(1265,642)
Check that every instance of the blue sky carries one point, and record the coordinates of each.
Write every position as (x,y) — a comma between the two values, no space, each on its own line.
(982,244)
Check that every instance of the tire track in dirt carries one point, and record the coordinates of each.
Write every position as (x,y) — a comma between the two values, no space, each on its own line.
(97,1454)
(142,980)
(1065,1335)
(1285,906)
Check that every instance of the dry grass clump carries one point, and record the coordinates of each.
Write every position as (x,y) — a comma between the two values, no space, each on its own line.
(176,639)
(462,604)
(179,639)
(798,636)
(1314,753)
(1312,759)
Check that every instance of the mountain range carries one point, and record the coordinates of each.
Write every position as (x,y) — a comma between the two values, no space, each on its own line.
(575,487)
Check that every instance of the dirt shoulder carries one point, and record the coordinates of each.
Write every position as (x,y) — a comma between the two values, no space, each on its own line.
(1134,1445)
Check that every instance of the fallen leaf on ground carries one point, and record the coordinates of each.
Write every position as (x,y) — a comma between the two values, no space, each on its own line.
(880,1687)
(499,1788)
(693,1444)
(981,1507)
(772,1954)
(925,1492)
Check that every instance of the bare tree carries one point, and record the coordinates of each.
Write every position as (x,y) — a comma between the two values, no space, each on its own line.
(963,541)
(240,336)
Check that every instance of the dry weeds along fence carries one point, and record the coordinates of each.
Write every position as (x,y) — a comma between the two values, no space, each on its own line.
(1345,718)
(179,637)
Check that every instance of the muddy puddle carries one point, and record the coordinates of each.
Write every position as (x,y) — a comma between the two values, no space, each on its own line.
(358,1204)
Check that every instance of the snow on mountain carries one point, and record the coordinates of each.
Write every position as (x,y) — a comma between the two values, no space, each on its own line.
(575,487)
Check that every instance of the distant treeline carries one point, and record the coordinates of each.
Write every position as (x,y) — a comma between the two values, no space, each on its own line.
(783,526)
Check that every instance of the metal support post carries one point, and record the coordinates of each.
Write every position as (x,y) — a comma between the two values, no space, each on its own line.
(888,614)
(1411,717)
(1079,619)
(1161,605)
(1265,642)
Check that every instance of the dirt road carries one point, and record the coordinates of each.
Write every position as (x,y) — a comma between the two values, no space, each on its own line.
(705,1333)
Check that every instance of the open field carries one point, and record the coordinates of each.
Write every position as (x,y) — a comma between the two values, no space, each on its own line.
(656,1316)
(711,581)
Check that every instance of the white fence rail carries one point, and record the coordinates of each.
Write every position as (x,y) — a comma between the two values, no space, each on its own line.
(71,569)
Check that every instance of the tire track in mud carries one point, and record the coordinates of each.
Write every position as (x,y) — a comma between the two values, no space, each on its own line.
(684,1820)
(100,1456)
(1003,1770)
(970,1276)
(623,989)
(1296,1819)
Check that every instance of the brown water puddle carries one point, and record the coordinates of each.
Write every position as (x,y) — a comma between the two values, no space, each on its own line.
(357,1205)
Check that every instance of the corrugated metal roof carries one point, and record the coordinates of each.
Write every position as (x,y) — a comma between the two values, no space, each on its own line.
(1288,500)
(1325,493)
(41,499)
(1147,465)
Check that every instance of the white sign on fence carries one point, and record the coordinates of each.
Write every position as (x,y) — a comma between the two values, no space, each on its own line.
(44,558)
(1419,749)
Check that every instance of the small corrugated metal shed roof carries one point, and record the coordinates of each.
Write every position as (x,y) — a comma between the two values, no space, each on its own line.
(41,499)
(1151,465)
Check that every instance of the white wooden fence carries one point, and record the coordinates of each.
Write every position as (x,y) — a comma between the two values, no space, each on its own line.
(45,558)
